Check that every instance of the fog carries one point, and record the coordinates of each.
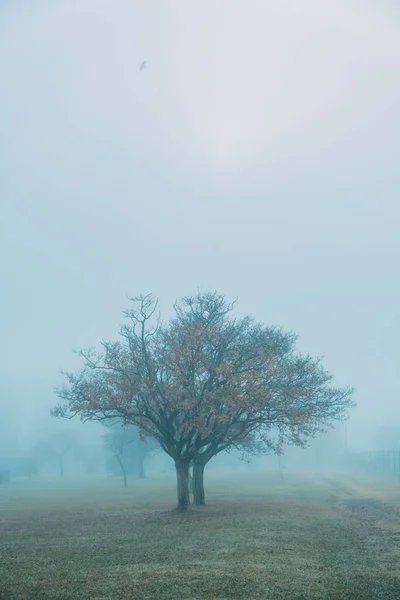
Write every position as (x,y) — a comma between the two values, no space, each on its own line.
(256,155)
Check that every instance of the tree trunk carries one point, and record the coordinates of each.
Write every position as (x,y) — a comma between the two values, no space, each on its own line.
(141,474)
(121,464)
(199,498)
(190,480)
(182,476)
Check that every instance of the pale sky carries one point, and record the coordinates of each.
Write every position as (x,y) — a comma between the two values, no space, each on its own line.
(256,155)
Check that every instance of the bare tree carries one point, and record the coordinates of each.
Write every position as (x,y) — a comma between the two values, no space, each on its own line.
(117,440)
(202,383)
(56,447)
(129,448)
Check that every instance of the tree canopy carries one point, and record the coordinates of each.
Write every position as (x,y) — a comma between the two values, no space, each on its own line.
(203,382)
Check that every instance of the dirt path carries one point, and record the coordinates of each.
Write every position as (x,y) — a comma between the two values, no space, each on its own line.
(360,545)
(355,500)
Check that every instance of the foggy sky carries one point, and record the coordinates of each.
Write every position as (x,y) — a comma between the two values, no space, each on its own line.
(257,156)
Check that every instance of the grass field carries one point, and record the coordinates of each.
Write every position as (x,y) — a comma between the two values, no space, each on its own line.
(308,537)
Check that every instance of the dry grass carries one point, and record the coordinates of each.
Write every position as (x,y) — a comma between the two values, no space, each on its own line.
(298,539)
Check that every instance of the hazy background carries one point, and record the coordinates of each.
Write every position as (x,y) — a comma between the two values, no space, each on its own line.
(257,155)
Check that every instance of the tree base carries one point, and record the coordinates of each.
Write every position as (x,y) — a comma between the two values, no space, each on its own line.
(198,505)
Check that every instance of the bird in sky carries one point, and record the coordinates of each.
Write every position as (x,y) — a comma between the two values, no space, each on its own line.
(143,66)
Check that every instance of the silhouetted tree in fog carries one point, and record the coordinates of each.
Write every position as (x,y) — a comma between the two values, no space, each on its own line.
(55,448)
(202,383)
(128,448)
(116,441)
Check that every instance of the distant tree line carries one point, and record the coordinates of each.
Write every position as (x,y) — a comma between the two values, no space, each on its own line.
(376,461)
(14,467)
